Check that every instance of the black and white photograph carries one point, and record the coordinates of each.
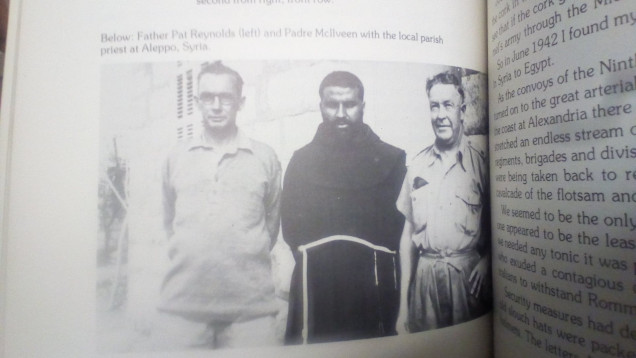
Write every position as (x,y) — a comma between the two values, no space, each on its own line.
(272,203)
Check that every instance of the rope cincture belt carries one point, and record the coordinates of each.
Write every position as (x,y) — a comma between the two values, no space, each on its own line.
(304,248)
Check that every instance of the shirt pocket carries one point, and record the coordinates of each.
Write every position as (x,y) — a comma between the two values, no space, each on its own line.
(470,209)
(421,201)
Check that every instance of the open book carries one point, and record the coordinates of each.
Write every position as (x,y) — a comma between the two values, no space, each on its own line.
(100,98)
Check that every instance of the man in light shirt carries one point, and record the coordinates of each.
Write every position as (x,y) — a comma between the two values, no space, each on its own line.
(221,194)
(444,198)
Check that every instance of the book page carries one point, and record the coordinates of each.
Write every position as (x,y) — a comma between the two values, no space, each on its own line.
(94,107)
(563,91)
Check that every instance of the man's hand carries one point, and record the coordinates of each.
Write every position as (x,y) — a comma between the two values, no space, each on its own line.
(402,320)
(479,276)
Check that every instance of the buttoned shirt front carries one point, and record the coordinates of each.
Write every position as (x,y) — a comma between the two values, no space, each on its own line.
(444,201)
(221,208)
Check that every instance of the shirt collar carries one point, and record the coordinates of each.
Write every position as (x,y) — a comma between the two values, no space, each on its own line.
(435,153)
(240,141)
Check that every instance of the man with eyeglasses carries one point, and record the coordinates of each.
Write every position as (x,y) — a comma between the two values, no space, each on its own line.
(339,218)
(221,194)
(443,250)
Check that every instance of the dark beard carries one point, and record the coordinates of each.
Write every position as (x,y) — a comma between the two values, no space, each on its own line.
(343,136)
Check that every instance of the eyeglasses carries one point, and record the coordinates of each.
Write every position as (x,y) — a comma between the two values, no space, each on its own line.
(225,99)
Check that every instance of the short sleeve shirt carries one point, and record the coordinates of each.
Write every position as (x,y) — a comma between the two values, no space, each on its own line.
(444,202)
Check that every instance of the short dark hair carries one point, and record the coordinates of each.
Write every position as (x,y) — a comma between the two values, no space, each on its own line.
(218,68)
(445,78)
(342,79)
